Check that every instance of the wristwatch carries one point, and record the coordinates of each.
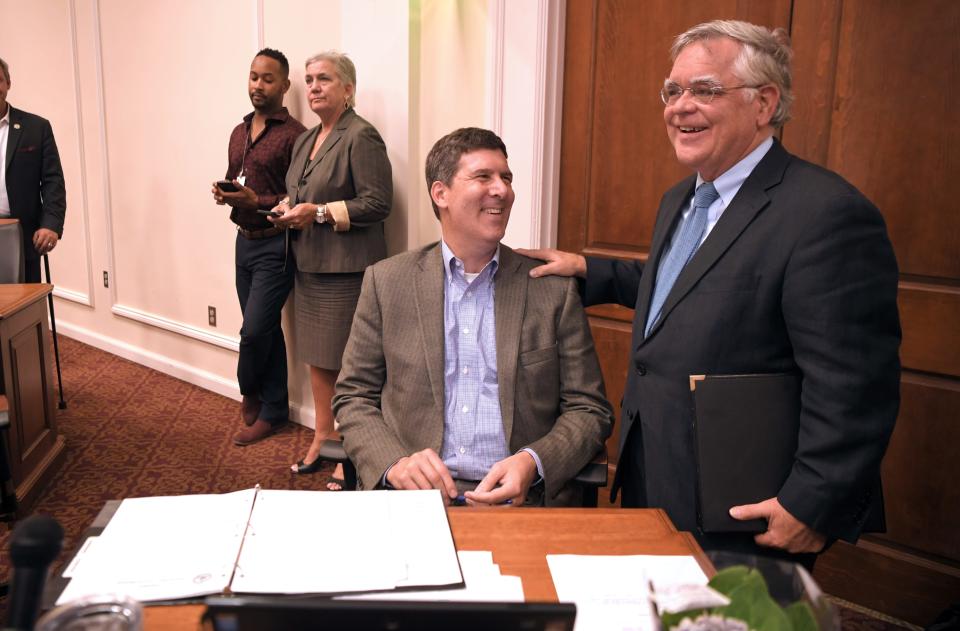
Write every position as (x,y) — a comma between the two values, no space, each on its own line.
(322,213)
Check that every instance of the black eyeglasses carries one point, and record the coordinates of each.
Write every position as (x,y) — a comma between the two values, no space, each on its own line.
(701,92)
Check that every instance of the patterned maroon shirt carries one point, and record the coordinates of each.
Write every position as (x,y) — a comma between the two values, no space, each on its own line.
(263,162)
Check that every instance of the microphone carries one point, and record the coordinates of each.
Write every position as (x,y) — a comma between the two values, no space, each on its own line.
(34,544)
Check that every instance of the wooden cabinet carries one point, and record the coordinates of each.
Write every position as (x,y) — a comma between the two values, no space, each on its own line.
(35,450)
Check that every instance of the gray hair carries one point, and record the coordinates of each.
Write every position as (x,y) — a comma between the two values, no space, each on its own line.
(344,67)
(764,57)
(6,70)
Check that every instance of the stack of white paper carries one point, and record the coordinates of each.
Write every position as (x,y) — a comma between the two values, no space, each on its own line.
(611,592)
(483,583)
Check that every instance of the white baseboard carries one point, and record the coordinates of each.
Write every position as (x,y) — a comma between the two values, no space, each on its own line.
(175,368)
(231,343)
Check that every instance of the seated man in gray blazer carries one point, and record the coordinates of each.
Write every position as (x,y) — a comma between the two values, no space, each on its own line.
(462,373)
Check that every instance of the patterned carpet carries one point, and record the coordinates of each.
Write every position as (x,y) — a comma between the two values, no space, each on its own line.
(132,431)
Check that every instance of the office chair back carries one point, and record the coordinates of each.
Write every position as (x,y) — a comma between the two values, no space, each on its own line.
(8,495)
(11,251)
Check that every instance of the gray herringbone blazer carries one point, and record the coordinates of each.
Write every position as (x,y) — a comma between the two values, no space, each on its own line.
(389,398)
(351,166)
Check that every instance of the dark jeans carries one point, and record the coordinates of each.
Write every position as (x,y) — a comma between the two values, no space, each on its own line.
(264,279)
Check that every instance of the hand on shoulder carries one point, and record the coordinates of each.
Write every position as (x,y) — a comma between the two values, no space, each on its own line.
(557,263)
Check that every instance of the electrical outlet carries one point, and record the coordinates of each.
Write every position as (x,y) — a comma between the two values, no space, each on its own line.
(106,279)
(212,316)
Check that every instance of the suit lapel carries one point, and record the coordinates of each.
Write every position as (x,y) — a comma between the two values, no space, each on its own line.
(510,299)
(675,203)
(14,132)
(335,135)
(750,200)
(429,302)
(301,155)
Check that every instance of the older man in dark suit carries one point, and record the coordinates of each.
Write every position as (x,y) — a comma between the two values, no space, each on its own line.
(461,372)
(760,263)
(31,179)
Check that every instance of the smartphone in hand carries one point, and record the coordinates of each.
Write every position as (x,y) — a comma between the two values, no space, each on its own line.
(227,186)
(268,213)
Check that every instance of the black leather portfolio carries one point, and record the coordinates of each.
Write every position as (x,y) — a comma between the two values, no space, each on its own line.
(745,429)
(266,613)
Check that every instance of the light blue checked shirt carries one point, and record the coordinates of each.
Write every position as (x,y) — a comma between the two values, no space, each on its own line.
(473,436)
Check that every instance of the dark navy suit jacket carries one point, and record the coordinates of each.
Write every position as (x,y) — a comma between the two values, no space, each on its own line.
(798,275)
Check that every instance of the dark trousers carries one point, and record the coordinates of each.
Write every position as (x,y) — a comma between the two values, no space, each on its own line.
(264,279)
(31,269)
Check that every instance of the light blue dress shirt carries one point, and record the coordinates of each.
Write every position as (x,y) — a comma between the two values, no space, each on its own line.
(728,185)
(473,435)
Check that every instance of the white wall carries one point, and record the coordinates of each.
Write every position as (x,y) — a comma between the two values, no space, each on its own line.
(142,97)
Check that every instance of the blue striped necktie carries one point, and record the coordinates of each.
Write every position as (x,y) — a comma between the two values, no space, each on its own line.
(688,240)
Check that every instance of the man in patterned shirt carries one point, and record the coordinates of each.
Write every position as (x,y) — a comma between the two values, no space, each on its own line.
(258,157)
(462,373)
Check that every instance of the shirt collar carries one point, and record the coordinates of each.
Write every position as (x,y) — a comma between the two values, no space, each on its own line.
(281,116)
(451,263)
(6,117)
(728,184)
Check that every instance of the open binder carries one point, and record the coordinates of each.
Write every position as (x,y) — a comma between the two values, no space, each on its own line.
(746,429)
(265,542)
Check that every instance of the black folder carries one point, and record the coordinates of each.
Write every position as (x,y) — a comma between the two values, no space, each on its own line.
(745,429)
(265,613)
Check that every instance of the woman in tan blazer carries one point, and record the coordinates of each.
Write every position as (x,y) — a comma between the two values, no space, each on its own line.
(339,191)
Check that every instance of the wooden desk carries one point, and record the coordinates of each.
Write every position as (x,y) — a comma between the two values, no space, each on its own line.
(35,450)
(520,540)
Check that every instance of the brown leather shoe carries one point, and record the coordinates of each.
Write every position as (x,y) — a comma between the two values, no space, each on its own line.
(249,410)
(255,433)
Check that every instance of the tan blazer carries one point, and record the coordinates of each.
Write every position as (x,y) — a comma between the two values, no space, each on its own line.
(389,398)
(351,174)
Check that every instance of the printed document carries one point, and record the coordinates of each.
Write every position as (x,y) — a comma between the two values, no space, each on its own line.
(167,548)
(611,592)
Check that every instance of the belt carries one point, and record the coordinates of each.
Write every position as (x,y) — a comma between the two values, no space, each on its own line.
(259,234)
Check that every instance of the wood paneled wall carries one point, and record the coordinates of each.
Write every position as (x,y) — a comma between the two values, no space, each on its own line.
(875,84)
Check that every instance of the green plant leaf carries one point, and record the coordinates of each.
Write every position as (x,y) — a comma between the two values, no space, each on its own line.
(728,578)
(767,615)
(744,596)
(801,617)
(751,603)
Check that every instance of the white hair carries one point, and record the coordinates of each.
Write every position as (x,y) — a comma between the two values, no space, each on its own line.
(764,57)
(344,67)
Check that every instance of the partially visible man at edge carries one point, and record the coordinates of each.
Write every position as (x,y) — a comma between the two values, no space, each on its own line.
(31,179)
(775,265)
(258,157)
(461,373)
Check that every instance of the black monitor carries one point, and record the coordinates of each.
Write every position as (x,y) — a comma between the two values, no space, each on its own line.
(263,613)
